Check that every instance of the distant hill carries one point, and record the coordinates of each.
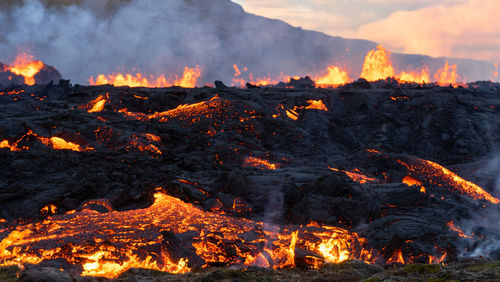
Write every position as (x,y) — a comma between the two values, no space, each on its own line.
(163,36)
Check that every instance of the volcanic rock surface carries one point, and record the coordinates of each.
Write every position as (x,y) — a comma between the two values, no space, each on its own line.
(365,157)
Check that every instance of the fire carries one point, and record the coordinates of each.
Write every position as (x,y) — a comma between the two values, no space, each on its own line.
(397,257)
(377,65)
(256,162)
(410,181)
(421,77)
(335,77)
(495,74)
(107,244)
(50,209)
(439,175)
(316,105)
(26,67)
(188,79)
(457,229)
(447,74)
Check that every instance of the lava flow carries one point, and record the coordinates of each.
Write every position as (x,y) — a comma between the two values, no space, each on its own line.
(108,243)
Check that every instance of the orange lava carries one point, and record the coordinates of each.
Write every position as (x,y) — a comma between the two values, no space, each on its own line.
(457,229)
(356,176)
(26,67)
(188,79)
(447,75)
(260,163)
(57,143)
(107,244)
(97,104)
(439,175)
(316,105)
(410,181)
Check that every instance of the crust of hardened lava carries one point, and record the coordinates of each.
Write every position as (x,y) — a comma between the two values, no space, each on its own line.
(469,270)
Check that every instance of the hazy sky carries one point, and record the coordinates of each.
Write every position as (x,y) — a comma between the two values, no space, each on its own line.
(455,28)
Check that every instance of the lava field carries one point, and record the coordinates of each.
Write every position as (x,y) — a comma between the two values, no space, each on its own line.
(100,179)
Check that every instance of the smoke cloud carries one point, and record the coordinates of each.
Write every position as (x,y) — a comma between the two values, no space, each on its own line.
(465,29)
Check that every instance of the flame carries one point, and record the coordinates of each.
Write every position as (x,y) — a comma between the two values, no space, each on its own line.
(397,257)
(335,77)
(419,77)
(439,175)
(410,181)
(457,229)
(377,65)
(50,209)
(188,79)
(256,162)
(495,74)
(317,105)
(107,244)
(447,74)
(26,67)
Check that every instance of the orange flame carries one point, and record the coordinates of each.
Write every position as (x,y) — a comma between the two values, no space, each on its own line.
(335,77)
(356,175)
(447,74)
(26,67)
(377,65)
(495,74)
(188,79)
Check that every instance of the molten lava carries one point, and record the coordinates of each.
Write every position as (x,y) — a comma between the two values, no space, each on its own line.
(436,174)
(26,67)
(107,244)
(259,163)
(447,75)
(316,105)
(457,229)
(57,143)
(410,181)
(356,176)
(188,79)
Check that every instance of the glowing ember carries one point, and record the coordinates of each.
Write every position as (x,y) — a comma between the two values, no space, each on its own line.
(377,65)
(457,229)
(438,175)
(107,244)
(260,163)
(317,105)
(335,77)
(188,79)
(26,67)
(397,257)
(50,209)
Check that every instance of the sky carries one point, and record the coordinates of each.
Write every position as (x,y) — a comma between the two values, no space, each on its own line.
(442,28)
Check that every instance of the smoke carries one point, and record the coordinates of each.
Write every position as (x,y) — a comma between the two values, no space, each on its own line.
(483,226)
(164,36)
(465,29)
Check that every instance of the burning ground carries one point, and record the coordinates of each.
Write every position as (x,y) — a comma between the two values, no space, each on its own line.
(100,179)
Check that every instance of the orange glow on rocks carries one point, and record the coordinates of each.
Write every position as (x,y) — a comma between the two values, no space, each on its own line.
(457,229)
(410,181)
(356,175)
(26,67)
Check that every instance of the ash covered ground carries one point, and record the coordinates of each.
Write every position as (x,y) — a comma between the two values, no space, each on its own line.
(409,168)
